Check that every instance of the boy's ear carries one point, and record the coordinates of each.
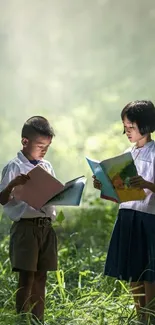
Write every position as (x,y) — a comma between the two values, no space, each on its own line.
(24,142)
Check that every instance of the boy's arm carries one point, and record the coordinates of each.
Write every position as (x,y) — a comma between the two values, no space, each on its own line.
(5,194)
(11,177)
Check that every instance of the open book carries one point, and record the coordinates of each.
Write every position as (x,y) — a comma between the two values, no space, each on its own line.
(114,175)
(42,188)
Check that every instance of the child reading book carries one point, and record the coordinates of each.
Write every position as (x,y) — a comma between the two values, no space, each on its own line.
(131,254)
(33,242)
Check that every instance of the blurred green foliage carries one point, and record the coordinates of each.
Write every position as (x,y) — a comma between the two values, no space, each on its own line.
(78,64)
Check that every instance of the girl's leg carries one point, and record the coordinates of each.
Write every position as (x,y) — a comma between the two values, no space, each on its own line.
(23,294)
(38,295)
(138,291)
(150,298)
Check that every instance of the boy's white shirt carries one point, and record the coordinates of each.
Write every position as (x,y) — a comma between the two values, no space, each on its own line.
(18,209)
(144,159)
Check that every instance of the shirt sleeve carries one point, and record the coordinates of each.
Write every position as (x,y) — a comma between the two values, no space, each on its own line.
(52,171)
(9,172)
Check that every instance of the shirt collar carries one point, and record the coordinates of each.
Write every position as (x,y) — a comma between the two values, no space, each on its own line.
(146,145)
(23,159)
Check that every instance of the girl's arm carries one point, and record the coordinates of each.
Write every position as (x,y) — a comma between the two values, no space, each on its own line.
(150,186)
(97,184)
(140,182)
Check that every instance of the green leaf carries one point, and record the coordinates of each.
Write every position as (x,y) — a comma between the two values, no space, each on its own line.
(60,217)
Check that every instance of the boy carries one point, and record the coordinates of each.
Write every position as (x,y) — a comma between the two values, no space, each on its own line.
(33,244)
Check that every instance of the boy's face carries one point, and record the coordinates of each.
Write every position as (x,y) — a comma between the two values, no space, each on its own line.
(132,131)
(37,147)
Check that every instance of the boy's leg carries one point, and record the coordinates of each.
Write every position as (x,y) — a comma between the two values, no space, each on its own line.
(38,295)
(23,294)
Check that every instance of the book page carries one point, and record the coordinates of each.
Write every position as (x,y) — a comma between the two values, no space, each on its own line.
(120,169)
(107,190)
(71,195)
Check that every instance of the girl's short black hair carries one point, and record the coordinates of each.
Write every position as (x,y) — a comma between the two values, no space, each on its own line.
(37,125)
(142,112)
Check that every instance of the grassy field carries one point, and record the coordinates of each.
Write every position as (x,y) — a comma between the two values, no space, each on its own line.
(78,293)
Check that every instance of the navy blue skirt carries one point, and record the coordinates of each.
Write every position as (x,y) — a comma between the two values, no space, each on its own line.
(131,253)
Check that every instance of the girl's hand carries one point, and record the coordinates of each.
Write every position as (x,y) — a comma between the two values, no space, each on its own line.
(97,184)
(138,181)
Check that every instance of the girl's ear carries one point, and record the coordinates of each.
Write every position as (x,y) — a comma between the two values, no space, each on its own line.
(24,142)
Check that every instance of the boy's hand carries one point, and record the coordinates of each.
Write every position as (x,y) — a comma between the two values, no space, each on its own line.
(97,184)
(19,180)
(5,194)
(138,181)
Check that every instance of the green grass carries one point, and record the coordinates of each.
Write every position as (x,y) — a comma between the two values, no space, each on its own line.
(77,294)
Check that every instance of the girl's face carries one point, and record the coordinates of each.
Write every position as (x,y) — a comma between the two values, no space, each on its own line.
(132,131)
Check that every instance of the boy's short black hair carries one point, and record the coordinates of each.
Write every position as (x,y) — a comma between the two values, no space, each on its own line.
(142,112)
(37,125)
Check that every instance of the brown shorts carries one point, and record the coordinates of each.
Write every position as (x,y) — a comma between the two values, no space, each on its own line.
(33,247)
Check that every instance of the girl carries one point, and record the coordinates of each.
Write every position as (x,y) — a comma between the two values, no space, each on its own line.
(131,254)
